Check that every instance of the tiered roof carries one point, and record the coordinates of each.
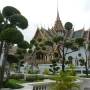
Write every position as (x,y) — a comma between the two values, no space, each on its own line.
(58,27)
(78,33)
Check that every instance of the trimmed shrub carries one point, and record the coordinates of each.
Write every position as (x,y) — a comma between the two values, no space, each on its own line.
(34,78)
(33,71)
(17,76)
(46,71)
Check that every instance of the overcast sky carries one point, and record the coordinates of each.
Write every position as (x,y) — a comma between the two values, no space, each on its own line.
(43,13)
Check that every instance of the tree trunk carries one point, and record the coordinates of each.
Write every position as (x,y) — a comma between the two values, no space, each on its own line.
(1,76)
(3,56)
(86,64)
(1,45)
(63,61)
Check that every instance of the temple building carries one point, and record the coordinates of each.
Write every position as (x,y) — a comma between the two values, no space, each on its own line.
(59,30)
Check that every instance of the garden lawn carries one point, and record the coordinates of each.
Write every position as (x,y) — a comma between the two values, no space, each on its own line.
(14,84)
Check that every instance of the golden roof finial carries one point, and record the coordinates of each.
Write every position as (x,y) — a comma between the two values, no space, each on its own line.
(58,18)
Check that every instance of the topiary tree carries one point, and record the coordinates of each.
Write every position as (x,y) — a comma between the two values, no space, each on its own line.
(68,25)
(63,46)
(70,58)
(21,53)
(24,44)
(54,67)
(12,60)
(10,21)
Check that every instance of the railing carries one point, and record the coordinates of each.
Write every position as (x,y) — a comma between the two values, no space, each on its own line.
(40,87)
(45,85)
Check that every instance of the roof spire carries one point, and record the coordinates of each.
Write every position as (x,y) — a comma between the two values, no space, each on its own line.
(58,18)
(58,27)
(57,5)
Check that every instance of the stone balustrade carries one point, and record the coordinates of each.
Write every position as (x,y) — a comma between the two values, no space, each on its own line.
(46,85)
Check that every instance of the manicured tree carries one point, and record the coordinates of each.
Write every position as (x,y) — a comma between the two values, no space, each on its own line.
(82,61)
(68,25)
(20,55)
(36,48)
(64,45)
(11,19)
(16,37)
(24,44)
(21,52)
(33,42)
(70,58)
(22,47)
(54,67)
(12,59)
(32,47)
(49,44)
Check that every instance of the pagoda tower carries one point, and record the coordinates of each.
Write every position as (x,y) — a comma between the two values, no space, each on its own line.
(58,27)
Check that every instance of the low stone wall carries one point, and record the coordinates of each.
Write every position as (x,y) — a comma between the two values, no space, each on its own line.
(45,85)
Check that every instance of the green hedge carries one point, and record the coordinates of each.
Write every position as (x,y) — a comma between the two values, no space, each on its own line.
(17,76)
(34,78)
(30,78)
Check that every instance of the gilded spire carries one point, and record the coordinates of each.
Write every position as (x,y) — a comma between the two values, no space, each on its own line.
(58,18)
(58,27)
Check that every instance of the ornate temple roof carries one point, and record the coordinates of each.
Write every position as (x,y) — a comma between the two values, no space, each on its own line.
(85,34)
(58,27)
(39,34)
(88,36)
(78,33)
